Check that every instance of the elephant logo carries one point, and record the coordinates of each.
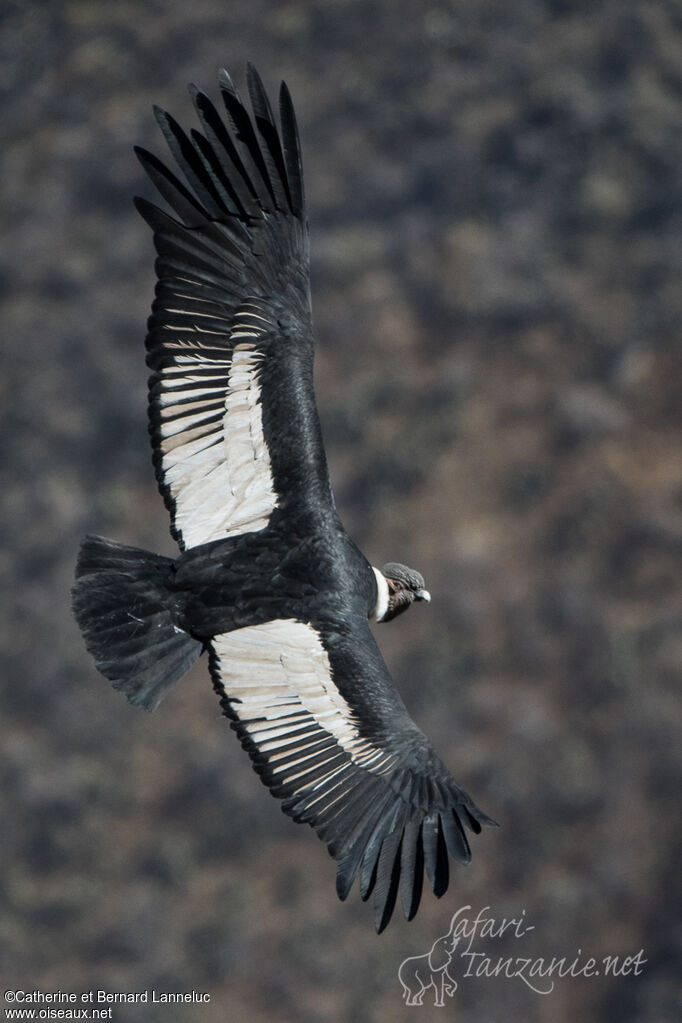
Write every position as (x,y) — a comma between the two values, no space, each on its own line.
(418,973)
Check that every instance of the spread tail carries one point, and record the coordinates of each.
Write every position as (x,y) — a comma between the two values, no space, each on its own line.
(124,606)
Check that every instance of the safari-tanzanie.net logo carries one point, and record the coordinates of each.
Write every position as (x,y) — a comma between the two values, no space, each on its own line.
(452,959)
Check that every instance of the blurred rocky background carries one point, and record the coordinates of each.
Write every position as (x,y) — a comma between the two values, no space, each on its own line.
(494,197)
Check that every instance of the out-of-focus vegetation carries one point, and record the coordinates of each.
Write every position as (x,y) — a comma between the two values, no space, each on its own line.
(494,197)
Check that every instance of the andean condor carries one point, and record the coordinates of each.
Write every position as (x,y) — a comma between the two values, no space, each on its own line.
(267,582)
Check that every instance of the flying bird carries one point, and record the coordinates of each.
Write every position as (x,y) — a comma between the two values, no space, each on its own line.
(267,581)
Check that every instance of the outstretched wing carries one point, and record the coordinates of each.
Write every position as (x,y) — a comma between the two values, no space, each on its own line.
(232,412)
(315,707)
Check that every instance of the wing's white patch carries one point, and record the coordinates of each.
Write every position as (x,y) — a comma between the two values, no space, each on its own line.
(214,456)
(279,682)
(381,606)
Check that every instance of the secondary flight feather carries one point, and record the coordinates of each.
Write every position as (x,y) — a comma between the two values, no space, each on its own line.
(267,581)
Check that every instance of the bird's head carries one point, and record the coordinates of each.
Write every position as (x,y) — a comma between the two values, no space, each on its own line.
(397,587)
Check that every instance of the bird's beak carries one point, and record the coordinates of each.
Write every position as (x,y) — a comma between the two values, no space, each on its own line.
(423,595)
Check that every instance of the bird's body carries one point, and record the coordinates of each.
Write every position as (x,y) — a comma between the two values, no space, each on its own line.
(267,581)
(298,572)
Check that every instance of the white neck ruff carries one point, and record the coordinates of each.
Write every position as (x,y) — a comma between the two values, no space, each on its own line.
(381,606)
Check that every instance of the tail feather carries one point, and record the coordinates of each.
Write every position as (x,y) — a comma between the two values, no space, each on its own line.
(124,607)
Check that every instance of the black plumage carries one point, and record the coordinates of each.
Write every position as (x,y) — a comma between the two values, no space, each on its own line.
(267,581)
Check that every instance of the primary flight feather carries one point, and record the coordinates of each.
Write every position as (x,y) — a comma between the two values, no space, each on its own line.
(267,582)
